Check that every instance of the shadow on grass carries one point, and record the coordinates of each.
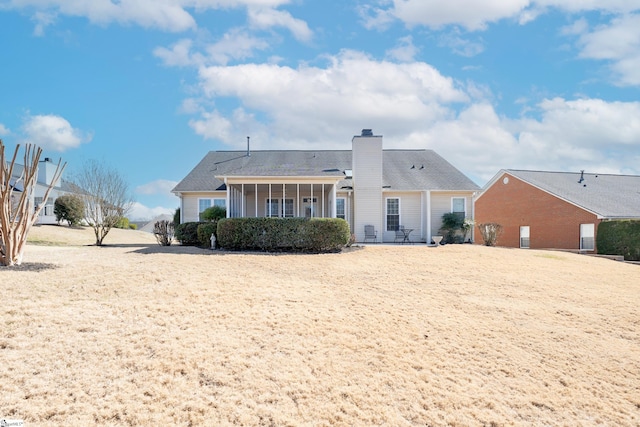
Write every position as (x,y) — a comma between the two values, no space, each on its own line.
(31,266)
(194,250)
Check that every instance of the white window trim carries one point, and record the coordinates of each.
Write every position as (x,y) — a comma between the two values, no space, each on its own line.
(386,211)
(528,237)
(593,237)
(464,201)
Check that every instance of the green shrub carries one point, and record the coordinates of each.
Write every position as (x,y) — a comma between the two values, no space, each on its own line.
(619,238)
(122,223)
(453,227)
(187,233)
(313,235)
(70,208)
(213,213)
(176,217)
(204,231)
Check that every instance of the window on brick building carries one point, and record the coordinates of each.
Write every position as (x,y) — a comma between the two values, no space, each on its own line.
(587,237)
(524,236)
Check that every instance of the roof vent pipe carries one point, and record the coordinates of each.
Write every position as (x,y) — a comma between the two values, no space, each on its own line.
(581,177)
(248,151)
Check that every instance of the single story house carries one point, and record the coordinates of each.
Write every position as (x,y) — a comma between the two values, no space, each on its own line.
(366,185)
(555,210)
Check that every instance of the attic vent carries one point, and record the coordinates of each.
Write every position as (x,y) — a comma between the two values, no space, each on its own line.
(367,132)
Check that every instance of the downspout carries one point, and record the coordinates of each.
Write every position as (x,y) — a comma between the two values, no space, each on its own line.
(429,217)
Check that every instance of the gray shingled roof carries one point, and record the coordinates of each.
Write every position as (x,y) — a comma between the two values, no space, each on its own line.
(609,196)
(402,169)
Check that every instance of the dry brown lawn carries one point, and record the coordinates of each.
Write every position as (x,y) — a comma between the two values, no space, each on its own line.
(461,335)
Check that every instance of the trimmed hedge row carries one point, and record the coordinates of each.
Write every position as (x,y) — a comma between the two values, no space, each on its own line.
(619,238)
(283,234)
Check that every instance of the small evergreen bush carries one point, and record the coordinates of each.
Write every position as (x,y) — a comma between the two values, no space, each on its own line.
(70,208)
(187,233)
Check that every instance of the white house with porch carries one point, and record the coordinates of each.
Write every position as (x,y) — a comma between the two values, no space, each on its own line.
(366,185)
(46,173)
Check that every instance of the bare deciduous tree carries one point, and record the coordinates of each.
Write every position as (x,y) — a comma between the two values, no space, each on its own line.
(105,194)
(17,210)
(490,233)
(163,230)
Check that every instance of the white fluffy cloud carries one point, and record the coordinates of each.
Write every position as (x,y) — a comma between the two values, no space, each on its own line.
(619,43)
(474,15)
(140,212)
(167,15)
(236,44)
(589,134)
(159,186)
(265,18)
(3,130)
(353,88)
(53,132)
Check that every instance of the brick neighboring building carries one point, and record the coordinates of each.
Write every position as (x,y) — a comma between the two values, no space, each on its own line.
(555,210)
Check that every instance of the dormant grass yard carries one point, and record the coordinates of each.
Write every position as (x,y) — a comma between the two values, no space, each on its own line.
(461,335)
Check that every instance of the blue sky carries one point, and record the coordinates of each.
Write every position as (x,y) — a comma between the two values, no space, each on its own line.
(149,87)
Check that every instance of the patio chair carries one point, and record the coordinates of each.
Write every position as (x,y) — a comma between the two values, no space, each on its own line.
(399,234)
(370,233)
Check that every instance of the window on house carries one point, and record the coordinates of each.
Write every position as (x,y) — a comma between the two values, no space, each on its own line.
(48,207)
(587,237)
(524,236)
(393,214)
(458,206)
(203,204)
(220,202)
(340,208)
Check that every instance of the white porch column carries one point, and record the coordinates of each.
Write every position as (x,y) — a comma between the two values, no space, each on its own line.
(332,194)
(298,198)
(269,204)
(228,201)
(256,188)
(242,213)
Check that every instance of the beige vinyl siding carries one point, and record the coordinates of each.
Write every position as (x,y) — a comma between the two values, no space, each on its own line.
(367,180)
(190,203)
(441,204)
(410,214)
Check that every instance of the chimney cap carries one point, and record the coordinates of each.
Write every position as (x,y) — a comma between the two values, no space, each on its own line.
(367,132)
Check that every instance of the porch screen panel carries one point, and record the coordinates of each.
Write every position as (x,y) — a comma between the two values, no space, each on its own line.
(272,207)
(287,207)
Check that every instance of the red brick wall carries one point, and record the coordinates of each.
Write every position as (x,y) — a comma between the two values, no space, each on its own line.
(553,223)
